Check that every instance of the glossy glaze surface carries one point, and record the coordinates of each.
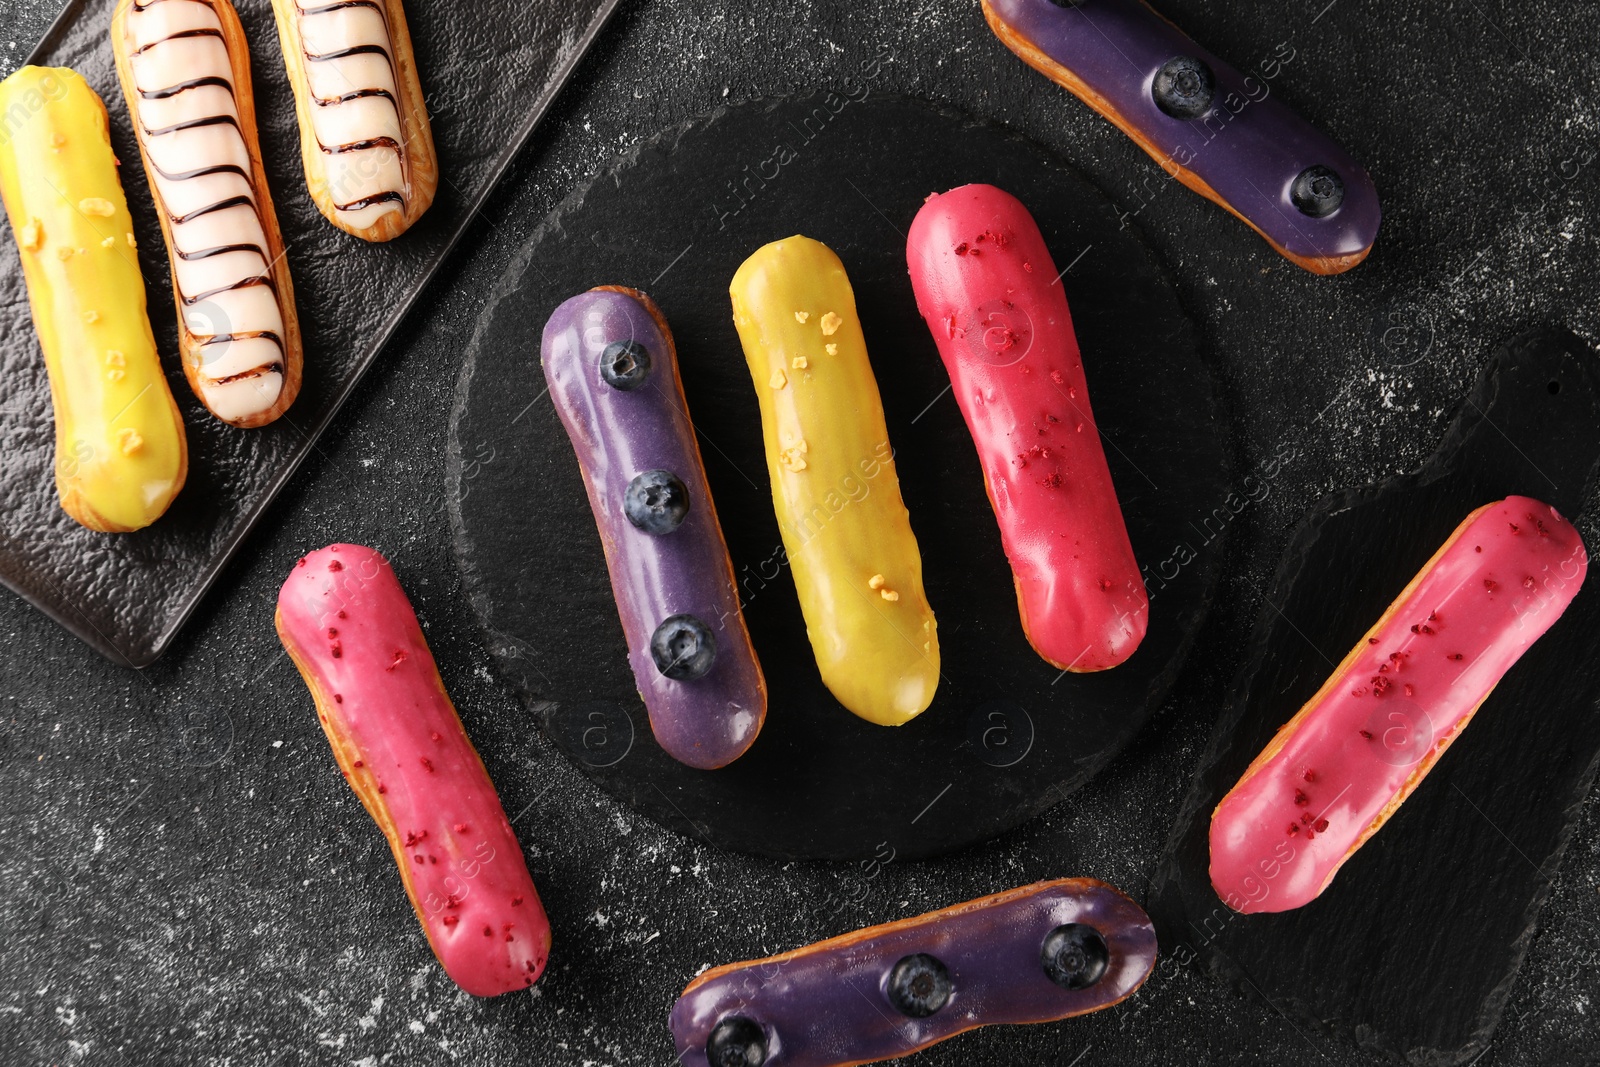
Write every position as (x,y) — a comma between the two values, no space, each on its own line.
(184,67)
(1244,151)
(845,528)
(1343,765)
(618,433)
(349,628)
(828,1004)
(120,451)
(993,300)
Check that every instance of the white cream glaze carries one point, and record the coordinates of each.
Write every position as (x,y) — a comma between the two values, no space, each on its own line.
(219,249)
(355,115)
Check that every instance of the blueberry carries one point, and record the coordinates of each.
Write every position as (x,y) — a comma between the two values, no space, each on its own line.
(919,985)
(683,647)
(1318,191)
(1183,87)
(736,1042)
(1075,956)
(625,365)
(656,502)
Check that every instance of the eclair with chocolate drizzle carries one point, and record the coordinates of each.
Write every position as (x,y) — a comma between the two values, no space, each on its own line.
(364,134)
(185,72)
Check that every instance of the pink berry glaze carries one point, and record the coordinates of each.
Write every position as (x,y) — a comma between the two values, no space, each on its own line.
(348,626)
(992,297)
(1342,766)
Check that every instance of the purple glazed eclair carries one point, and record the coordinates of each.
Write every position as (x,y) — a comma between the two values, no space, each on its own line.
(613,373)
(1036,954)
(1221,133)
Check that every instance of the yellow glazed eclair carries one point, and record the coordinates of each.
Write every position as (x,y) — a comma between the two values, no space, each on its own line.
(120,450)
(846,531)
(365,140)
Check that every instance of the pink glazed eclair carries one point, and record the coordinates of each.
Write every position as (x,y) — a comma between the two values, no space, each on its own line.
(992,297)
(349,628)
(1336,772)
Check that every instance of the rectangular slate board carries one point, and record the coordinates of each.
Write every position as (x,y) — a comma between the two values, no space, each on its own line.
(490,69)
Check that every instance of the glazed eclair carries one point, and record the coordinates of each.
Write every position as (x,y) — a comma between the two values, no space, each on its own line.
(1342,766)
(1224,134)
(612,370)
(992,298)
(1043,952)
(348,626)
(185,72)
(846,530)
(365,139)
(120,454)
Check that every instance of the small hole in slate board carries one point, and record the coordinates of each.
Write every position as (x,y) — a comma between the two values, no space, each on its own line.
(1555,387)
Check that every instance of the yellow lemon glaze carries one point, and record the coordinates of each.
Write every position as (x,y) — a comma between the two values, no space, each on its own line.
(845,529)
(120,450)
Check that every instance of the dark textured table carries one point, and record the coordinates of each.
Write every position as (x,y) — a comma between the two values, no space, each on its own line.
(188,880)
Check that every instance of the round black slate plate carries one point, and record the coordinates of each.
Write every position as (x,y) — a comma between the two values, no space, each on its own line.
(1007,735)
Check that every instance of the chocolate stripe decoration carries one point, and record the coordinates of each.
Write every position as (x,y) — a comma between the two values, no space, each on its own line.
(361,146)
(209,293)
(220,205)
(199,172)
(356,50)
(207,253)
(183,87)
(325,8)
(357,94)
(375,198)
(270,368)
(256,333)
(190,124)
(176,37)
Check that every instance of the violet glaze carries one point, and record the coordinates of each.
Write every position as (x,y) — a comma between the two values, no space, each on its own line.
(1244,151)
(827,1004)
(619,433)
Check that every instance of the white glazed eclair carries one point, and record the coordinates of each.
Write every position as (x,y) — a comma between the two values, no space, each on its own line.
(185,71)
(364,134)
